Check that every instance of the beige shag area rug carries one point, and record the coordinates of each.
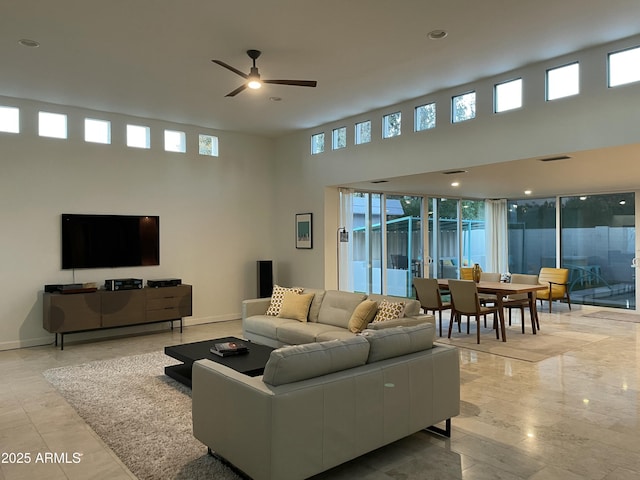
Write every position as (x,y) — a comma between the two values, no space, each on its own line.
(619,316)
(549,342)
(141,414)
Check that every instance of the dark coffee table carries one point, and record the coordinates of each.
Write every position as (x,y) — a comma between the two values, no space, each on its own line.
(251,363)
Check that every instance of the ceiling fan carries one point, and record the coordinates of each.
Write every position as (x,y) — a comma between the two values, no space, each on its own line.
(253,78)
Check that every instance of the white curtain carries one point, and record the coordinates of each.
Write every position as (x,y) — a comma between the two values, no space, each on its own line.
(497,239)
(345,249)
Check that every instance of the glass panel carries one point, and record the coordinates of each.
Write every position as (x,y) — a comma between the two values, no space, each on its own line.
(425,117)
(463,107)
(404,243)
(446,237)
(598,243)
(363,132)
(473,233)
(9,120)
(97,131)
(317,143)
(624,67)
(392,125)
(175,141)
(366,265)
(508,95)
(563,81)
(339,138)
(52,125)
(532,235)
(208,145)
(138,136)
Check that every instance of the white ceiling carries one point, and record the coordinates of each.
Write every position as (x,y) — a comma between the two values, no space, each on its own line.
(152,58)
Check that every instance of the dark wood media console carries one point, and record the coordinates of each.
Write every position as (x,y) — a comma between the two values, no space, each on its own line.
(83,312)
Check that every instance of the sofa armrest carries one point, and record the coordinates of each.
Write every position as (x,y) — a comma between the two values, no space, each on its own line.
(402,322)
(255,306)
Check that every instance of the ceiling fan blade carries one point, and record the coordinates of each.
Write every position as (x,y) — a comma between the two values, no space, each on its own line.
(229,67)
(236,91)
(298,83)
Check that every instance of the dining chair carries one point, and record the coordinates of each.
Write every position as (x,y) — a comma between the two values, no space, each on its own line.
(487,298)
(557,279)
(466,273)
(520,300)
(465,301)
(428,294)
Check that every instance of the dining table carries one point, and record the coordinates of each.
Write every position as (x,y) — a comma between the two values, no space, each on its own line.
(502,290)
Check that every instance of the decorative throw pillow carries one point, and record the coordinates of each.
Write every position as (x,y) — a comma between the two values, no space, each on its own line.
(362,315)
(389,311)
(295,306)
(277,296)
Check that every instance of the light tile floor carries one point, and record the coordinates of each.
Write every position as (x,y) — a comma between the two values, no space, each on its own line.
(574,416)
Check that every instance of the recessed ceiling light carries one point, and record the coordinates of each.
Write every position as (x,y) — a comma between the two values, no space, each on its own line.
(26,42)
(275,99)
(623,202)
(455,184)
(583,198)
(527,192)
(436,34)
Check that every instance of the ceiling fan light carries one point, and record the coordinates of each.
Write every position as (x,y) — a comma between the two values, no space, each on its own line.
(254,84)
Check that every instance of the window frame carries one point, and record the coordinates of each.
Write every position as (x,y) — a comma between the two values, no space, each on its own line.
(547,82)
(385,123)
(609,55)
(475,102)
(496,96)
(415,117)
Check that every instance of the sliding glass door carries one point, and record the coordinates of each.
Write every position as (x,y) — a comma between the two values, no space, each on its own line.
(598,240)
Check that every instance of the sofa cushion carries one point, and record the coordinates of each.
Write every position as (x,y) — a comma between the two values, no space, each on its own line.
(276,298)
(314,310)
(362,315)
(299,362)
(294,333)
(393,342)
(411,307)
(337,307)
(334,333)
(266,325)
(295,306)
(389,311)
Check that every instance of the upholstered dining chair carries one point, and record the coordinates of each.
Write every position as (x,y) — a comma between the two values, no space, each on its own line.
(487,298)
(557,279)
(465,301)
(466,273)
(520,300)
(428,294)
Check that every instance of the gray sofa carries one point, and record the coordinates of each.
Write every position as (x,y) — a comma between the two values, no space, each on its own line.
(328,318)
(322,404)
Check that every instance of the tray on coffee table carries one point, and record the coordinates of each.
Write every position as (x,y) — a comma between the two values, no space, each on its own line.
(251,363)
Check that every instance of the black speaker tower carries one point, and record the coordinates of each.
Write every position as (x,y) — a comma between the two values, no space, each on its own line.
(265,278)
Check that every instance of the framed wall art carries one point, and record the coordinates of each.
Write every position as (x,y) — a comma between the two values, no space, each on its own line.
(304,230)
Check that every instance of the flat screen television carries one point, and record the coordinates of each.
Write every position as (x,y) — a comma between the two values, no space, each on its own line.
(107,241)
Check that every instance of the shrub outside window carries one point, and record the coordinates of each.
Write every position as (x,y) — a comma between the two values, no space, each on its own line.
(392,125)
(208,145)
(363,132)
(463,107)
(425,117)
(317,143)
(563,81)
(339,138)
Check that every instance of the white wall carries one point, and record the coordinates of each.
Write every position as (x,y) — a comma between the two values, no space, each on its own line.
(215,213)
(598,117)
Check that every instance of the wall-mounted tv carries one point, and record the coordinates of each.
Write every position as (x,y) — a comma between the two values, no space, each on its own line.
(107,241)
